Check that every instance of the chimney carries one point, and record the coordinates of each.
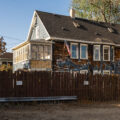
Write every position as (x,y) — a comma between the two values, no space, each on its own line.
(72,13)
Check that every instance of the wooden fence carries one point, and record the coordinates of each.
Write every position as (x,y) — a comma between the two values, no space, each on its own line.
(46,84)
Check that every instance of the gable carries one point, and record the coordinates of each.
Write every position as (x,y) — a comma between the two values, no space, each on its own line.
(37,29)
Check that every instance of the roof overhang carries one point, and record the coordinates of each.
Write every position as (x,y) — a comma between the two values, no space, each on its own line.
(82,41)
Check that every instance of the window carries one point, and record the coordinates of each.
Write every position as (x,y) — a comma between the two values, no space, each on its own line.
(83,51)
(47,52)
(106,53)
(74,50)
(34,52)
(96,53)
(96,72)
(106,72)
(40,52)
(83,71)
(112,53)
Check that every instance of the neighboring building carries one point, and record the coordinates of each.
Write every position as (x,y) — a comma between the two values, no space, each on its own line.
(6,59)
(51,38)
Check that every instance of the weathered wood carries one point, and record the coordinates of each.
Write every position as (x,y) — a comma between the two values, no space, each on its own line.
(49,84)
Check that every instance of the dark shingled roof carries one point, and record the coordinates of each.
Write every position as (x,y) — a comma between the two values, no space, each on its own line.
(63,27)
(6,55)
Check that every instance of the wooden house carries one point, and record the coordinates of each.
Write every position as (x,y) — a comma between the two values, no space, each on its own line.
(6,59)
(66,43)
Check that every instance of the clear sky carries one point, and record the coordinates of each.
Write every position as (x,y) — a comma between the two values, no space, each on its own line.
(16,16)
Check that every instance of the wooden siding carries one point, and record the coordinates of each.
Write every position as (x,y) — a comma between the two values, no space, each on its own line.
(59,52)
(117,54)
(41,64)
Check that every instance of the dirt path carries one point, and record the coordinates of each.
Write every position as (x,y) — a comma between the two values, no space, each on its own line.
(70,111)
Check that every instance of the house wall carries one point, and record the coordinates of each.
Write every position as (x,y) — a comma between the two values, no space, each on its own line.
(40,64)
(21,57)
(117,54)
(59,52)
(19,66)
(30,58)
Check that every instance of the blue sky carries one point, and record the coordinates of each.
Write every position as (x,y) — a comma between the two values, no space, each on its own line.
(16,15)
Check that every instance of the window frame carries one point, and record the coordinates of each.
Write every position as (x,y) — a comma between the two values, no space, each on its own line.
(96,72)
(43,52)
(106,71)
(104,46)
(46,52)
(84,72)
(76,50)
(94,53)
(81,51)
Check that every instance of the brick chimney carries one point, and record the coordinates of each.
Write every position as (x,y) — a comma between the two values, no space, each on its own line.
(72,13)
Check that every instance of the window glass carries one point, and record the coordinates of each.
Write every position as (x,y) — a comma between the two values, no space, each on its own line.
(83,51)
(112,53)
(40,52)
(47,52)
(106,53)
(74,51)
(106,72)
(96,52)
(34,51)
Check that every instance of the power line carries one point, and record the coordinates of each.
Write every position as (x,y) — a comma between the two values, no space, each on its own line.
(12,38)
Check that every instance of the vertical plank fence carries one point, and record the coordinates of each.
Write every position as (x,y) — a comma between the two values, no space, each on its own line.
(48,84)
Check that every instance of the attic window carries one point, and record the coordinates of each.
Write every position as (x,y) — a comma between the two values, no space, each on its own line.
(77,25)
(111,30)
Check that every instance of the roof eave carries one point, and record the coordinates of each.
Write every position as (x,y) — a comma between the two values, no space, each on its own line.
(82,41)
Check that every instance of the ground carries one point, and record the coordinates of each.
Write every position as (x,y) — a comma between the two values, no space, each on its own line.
(61,111)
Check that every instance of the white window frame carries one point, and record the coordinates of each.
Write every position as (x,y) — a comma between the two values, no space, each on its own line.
(81,51)
(98,72)
(104,46)
(76,50)
(83,71)
(106,71)
(94,53)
